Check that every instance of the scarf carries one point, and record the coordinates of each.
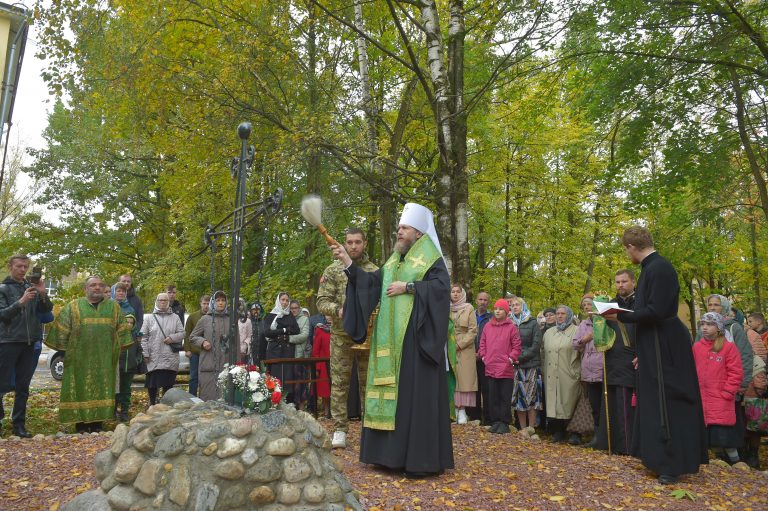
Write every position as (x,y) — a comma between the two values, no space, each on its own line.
(725,303)
(212,305)
(568,318)
(158,310)
(279,312)
(525,313)
(461,303)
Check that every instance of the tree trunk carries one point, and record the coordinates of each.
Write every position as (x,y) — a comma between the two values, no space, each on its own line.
(754,166)
(371,112)
(314,162)
(507,236)
(388,205)
(755,262)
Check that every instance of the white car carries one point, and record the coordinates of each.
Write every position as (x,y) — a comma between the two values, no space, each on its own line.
(55,364)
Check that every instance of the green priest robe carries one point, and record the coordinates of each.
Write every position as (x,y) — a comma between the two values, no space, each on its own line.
(92,337)
(407,423)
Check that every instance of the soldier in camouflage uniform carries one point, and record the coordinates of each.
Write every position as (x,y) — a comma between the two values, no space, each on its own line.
(330,301)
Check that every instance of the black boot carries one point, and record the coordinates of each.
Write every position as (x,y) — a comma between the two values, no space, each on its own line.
(752,457)
(21,431)
(574,439)
(558,437)
(122,415)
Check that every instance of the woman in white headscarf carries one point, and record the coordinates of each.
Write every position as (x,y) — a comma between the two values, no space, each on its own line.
(161,329)
(279,325)
(465,332)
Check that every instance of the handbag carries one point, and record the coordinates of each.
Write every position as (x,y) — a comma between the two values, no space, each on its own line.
(175,346)
(582,421)
(756,413)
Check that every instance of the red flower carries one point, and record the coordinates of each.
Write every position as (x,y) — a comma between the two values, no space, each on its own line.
(252,368)
(276,397)
(270,384)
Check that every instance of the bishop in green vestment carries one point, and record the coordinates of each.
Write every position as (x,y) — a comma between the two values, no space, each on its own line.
(92,331)
(406,423)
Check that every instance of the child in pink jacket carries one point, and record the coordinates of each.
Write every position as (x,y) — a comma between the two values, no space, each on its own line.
(500,347)
(718,366)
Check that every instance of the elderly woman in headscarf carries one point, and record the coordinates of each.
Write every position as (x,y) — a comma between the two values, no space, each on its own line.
(279,325)
(562,372)
(526,397)
(210,335)
(591,360)
(161,329)
(465,332)
(734,332)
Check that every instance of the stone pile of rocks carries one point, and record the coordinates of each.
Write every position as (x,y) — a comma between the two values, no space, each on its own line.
(207,456)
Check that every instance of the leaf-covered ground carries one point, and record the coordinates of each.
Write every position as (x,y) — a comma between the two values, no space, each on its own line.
(493,472)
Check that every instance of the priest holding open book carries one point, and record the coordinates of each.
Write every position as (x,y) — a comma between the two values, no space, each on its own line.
(669,436)
(620,379)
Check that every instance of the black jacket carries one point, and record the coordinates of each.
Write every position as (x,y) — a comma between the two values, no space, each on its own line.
(19,323)
(531,337)
(138,307)
(618,360)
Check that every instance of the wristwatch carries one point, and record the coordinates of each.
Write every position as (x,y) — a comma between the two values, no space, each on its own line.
(410,288)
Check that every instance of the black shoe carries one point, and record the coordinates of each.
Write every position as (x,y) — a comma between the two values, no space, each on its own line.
(94,427)
(592,444)
(502,428)
(421,475)
(22,432)
(574,439)
(495,427)
(665,479)
(751,458)
(558,437)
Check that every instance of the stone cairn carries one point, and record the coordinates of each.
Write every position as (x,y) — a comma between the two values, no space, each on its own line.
(209,457)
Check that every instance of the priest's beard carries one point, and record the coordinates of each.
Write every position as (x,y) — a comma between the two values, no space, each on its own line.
(403,246)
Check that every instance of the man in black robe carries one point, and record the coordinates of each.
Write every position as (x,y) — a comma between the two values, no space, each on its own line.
(669,434)
(620,375)
(406,424)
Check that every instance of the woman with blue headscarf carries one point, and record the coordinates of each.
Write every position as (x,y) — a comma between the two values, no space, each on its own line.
(210,335)
(562,371)
(526,398)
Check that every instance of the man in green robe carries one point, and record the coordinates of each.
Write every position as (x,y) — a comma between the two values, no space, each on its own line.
(407,419)
(92,331)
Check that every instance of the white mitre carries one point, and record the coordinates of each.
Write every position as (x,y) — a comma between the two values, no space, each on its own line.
(420,218)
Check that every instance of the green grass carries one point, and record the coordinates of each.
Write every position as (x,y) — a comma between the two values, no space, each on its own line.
(43,410)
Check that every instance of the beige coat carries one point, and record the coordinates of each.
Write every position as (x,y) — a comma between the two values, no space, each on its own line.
(562,371)
(465,327)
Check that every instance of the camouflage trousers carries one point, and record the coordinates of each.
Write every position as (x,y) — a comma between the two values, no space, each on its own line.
(342,358)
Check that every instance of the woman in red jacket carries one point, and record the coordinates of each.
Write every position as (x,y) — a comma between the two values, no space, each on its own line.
(321,347)
(500,347)
(718,366)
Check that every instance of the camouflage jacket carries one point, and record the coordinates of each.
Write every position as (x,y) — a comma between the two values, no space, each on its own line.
(333,291)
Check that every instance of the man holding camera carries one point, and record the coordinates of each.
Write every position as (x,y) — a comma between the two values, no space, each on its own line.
(21,301)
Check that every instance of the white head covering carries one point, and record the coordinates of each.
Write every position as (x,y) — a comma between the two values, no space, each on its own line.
(420,218)
(278,310)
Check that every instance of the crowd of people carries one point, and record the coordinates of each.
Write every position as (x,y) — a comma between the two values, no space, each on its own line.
(633,379)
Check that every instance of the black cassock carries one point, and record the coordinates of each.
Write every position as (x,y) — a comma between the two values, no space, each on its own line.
(681,446)
(620,380)
(421,441)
